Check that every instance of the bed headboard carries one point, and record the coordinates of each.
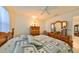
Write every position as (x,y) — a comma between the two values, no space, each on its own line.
(8,35)
(13,32)
(4,37)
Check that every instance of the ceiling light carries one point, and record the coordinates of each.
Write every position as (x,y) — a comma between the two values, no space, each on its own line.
(34,17)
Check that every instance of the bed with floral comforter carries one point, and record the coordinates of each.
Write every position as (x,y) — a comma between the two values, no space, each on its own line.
(35,44)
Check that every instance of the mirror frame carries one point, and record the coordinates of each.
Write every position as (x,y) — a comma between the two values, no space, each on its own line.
(76,33)
(60,32)
(63,28)
(53,29)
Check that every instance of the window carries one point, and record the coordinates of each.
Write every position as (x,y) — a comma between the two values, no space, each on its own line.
(4,20)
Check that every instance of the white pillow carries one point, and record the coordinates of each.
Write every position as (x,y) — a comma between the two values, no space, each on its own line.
(23,36)
(36,42)
(30,38)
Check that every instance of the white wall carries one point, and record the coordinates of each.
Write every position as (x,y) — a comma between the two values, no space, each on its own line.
(23,23)
(76,20)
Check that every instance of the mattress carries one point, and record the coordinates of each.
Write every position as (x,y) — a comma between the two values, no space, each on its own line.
(37,44)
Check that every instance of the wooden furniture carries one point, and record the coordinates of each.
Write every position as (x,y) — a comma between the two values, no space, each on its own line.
(4,37)
(64,38)
(76,34)
(45,32)
(59,31)
(34,30)
(59,27)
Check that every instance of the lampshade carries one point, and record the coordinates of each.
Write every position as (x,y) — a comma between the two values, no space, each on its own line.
(52,26)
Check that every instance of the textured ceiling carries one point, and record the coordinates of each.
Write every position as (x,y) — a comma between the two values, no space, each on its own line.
(37,10)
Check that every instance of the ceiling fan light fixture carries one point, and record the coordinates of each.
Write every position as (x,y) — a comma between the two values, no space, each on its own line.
(34,17)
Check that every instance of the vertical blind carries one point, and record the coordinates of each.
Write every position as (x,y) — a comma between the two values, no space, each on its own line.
(4,20)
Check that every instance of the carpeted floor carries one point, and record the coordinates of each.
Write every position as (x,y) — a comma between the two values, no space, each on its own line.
(76,44)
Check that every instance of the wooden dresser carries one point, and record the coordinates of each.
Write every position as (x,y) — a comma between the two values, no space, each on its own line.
(76,34)
(35,30)
(64,38)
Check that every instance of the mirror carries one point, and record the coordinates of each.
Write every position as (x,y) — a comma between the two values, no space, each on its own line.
(59,27)
(64,27)
(53,27)
(76,30)
(64,24)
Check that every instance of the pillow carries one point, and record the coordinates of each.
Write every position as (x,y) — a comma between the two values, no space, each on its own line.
(36,42)
(30,38)
(23,36)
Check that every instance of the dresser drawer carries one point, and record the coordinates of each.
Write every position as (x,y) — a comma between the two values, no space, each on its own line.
(35,30)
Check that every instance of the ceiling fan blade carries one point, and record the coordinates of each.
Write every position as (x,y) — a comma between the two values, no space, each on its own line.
(46,10)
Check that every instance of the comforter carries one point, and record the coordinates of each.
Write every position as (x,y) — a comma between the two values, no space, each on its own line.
(35,44)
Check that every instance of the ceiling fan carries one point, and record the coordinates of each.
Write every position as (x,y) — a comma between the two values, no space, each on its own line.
(45,11)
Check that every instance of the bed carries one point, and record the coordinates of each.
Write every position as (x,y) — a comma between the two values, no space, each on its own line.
(5,36)
(35,44)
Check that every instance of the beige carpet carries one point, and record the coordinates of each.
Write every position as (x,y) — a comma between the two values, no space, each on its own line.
(76,44)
